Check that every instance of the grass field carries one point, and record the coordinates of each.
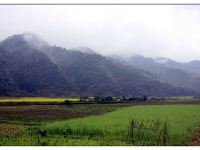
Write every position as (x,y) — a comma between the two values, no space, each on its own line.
(31,117)
(112,128)
(37,99)
(182,120)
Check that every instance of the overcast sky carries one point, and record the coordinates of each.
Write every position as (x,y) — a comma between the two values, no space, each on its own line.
(152,31)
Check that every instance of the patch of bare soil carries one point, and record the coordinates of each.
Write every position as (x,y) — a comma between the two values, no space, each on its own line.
(39,113)
(195,141)
(10,129)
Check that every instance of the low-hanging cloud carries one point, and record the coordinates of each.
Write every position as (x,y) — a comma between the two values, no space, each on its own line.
(160,30)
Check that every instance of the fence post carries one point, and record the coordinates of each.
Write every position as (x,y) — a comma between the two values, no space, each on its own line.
(159,129)
(165,133)
(132,126)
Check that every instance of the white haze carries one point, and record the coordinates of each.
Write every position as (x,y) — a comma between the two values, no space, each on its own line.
(152,31)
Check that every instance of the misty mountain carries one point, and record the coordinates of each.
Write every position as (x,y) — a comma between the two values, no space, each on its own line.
(32,67)
(7,85)
(84,50)
(94,74)
(29,71)
(191,67)
(168,71)
(118,59)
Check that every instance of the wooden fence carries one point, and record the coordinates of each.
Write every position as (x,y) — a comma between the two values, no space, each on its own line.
(155,133)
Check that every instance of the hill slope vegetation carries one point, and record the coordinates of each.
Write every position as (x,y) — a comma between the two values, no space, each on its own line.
(32,67)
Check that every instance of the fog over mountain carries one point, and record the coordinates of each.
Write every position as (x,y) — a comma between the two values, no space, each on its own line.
(32,67)
(169,71)
(65,50)
(151,31)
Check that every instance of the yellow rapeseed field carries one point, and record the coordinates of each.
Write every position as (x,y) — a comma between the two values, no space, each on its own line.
(37,99)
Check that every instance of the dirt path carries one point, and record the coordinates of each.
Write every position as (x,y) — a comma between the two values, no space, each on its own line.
(195,141)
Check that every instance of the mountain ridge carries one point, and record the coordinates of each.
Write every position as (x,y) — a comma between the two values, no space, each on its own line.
(39,69)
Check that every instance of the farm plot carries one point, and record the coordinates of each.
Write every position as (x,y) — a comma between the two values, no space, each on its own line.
(181,120)
(39,114)
(135,125)
(36,99)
